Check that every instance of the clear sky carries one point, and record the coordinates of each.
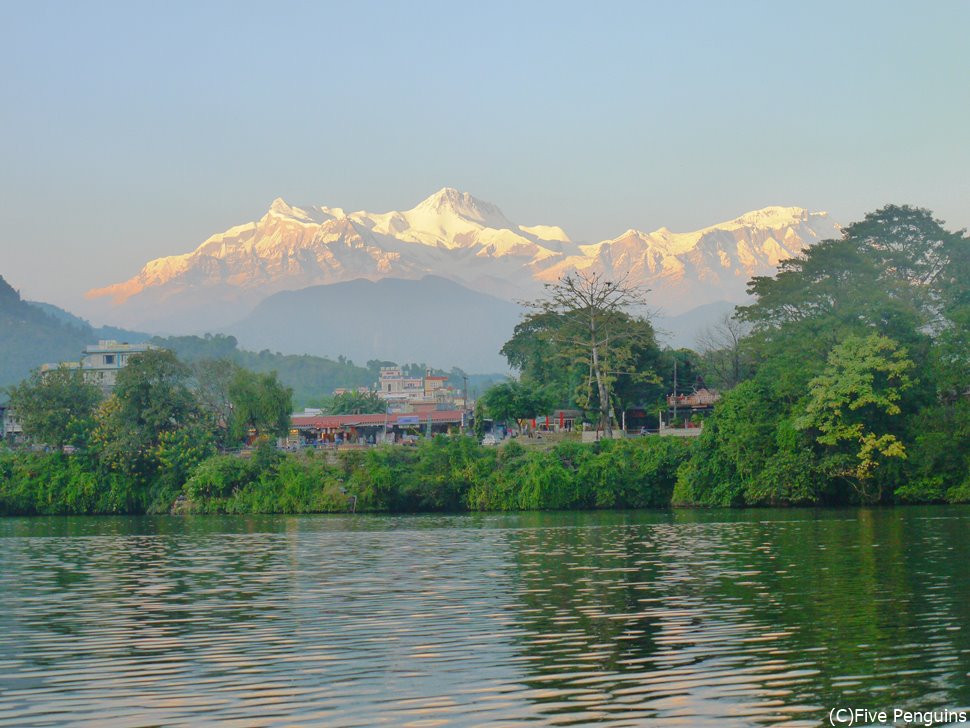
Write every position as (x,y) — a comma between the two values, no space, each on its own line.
(133,130)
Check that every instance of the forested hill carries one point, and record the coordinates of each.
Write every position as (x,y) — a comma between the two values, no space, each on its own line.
(313,378)
(32,334)
(30,337)
(97,332)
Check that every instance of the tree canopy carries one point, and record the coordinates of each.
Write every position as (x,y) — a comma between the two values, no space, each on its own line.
(260,405)
(858,374)
(151,398)
(852,403)
(356,403)
(56,407)
(583,345)
(516,401)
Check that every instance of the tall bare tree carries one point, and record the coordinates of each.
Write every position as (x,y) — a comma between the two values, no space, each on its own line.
(594,308)
(721,346)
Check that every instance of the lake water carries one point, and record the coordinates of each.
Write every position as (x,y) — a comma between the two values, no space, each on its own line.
(685,619)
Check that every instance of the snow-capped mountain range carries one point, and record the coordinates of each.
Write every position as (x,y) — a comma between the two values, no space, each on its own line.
(452,235)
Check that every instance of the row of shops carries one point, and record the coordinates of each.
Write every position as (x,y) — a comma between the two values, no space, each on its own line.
(319,429)
(315,430)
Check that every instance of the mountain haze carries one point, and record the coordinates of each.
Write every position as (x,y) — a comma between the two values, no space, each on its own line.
(451,235)
(686,329)
(431,320)
(33,333)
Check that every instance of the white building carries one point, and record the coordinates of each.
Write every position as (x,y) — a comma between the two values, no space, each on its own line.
(10,429)
(396,389)
(390,388)
(101,362)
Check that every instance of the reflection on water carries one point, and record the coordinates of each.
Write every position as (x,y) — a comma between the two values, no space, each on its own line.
(686,618)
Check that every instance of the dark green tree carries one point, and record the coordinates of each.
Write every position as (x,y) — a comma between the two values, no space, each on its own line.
(861,370)
(261,406)
(151,398)
(499,401)
(584,346)
(211,381)
(356,403)
(56,407)
(533,352)
(516,401)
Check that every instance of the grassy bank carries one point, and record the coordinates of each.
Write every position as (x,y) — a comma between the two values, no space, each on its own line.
(442,474)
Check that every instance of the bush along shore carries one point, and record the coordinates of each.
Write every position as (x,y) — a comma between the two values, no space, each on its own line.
(443,474)
(440,474)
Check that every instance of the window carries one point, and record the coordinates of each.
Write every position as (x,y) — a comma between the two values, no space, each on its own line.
(109,358)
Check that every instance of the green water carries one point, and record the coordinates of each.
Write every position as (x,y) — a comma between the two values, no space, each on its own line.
(684,618)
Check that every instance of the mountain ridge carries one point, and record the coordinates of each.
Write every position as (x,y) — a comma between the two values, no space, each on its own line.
(453,235)
(392,318)
(34,333)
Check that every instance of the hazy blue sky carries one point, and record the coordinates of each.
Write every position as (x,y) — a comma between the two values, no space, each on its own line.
(134,130)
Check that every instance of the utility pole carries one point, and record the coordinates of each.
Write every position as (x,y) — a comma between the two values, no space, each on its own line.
(675,387)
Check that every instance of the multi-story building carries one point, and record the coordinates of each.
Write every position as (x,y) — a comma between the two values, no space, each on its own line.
(413,388)
(415,393)
(101,362)
(391,385)
(10,429)
(433,385)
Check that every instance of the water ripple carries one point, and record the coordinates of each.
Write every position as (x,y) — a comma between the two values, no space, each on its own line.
(555,619)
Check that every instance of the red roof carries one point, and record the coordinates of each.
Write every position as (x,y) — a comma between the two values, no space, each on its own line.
(322,422)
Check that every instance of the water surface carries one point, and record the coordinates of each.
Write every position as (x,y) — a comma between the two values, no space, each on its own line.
(685,618)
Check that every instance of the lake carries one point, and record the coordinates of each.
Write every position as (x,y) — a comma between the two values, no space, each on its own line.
(684,618)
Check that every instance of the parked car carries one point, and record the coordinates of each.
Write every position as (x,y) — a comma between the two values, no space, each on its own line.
(490,439)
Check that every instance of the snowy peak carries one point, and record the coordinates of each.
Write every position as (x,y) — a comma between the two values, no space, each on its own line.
(454,235)
(282,209)
(547,233)
(713,263)
(783,223)
(775,217)
(451,202)
(454,220)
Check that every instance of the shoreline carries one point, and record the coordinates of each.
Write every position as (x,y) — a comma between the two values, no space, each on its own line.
(440,476)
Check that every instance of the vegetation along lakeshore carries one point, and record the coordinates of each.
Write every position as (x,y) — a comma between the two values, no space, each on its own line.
(845,381)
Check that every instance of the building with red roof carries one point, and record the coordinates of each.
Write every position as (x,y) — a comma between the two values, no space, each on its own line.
(312,429)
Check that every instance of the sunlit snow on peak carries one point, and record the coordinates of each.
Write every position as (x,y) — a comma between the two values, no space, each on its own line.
(455,235)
